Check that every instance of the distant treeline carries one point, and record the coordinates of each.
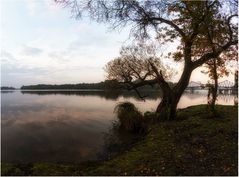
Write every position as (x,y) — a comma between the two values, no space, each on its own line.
(108,84)
(7,88)
(100,85)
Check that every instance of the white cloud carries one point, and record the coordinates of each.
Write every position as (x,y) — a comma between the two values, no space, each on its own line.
(7,57)
(52,8)
(31,7)
(31,51)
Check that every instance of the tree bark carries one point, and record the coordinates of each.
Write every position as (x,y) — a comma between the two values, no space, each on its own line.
(171,96)
(165,104)
(215,86)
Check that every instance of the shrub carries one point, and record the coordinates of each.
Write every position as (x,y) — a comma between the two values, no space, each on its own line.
(130,118)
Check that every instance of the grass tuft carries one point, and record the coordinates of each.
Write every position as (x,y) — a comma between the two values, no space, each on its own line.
(130,118)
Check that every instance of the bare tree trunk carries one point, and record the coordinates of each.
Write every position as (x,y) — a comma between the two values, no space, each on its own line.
(168,105)
(164,106)
(215,87)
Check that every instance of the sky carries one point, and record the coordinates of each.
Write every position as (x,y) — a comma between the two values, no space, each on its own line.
(42,44)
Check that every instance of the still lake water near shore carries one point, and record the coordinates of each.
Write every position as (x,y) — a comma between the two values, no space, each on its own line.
(68,126)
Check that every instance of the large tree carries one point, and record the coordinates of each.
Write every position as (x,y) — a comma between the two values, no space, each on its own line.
(138,65)
(217,68)
(205,29)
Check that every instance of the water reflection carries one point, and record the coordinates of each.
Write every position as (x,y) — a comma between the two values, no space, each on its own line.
(200,97)
(109,95)
(7,91)
(66,126)
(52,141)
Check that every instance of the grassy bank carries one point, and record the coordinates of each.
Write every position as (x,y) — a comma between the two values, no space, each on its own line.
(194,144)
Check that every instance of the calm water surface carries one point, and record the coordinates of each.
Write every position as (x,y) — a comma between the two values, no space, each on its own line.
(67,127)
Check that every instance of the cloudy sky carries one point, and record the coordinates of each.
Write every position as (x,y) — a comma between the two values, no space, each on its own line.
(41,43)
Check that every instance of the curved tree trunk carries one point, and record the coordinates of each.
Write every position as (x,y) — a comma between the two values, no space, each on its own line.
(171,96)
(165,104)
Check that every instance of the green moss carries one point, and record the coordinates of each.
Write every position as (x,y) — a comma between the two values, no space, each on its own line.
(194,144)
(52,169)
(10,170)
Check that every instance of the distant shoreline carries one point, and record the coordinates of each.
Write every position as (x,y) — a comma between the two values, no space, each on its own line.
(104,85)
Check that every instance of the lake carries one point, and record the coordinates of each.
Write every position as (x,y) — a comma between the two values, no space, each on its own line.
(68,126)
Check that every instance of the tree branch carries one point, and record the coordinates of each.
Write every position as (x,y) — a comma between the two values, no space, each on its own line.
(134,86)
(229,26)
(142,83)
(214,54)
(170,23)
(158,74)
